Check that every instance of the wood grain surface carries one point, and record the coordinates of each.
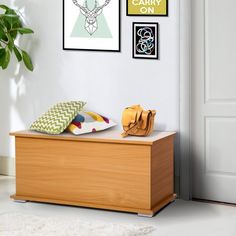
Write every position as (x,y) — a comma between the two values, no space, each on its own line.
(112,174)
(123,175)
(162,173)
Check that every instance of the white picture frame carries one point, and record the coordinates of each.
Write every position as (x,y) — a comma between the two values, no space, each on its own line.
(91,25)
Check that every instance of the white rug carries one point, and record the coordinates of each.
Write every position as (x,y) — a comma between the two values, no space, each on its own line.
(15,224)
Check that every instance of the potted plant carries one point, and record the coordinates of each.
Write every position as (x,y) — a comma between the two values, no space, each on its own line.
(11,28)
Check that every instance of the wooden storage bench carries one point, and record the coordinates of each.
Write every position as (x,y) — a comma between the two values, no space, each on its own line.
(100,170)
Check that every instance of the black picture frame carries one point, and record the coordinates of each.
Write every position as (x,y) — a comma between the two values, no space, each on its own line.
(86,49)
(140,49)
(148,15)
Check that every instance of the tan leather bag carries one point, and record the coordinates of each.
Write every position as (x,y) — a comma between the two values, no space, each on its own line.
(137,121)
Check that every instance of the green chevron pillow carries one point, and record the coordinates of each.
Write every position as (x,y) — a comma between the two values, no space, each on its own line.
(57,118)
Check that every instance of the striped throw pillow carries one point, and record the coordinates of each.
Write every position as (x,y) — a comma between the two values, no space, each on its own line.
(57,118)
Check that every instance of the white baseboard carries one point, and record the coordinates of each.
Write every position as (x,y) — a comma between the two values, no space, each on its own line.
(7,166)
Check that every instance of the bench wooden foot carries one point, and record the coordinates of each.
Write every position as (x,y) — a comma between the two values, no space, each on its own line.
(20,201)
(146,215)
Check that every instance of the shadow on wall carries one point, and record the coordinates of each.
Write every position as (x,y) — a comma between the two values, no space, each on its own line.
(22,96)
(13,97)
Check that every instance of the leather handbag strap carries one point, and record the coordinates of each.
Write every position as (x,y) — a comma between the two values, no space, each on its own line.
(150,120)
(135,126)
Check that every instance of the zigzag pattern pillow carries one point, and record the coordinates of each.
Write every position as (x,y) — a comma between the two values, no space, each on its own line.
(57,118)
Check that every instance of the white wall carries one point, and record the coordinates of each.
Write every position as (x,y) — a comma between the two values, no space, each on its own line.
(107,81)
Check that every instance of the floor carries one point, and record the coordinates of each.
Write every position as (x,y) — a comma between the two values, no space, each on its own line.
(181,218)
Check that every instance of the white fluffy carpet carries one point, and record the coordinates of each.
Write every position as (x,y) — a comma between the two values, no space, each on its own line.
(15,224)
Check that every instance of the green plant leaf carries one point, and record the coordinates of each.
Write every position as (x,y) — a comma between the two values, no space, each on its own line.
(6,23)
(2,34)
(9,15)
(10,28)
(27,60)
(18,54)
(25,30)
(11,12)
(17,24)
(4,7)
(10,41)
(13,34)
(11,19)
(2,51)
(6,58)
(2,55)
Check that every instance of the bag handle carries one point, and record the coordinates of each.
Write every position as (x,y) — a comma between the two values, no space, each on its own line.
(135,126)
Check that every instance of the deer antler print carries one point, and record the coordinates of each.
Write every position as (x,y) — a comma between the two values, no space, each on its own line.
(91,24)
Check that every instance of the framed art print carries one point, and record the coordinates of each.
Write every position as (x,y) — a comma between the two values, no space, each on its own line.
(147,7)
(145,40)
(91,25)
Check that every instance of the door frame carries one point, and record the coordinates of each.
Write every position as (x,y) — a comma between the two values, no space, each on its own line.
(185,99)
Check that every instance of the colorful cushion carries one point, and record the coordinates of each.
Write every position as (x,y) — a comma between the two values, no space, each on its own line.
(87,122)
(57,118)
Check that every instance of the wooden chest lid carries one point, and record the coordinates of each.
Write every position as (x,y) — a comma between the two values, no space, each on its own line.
(109,136)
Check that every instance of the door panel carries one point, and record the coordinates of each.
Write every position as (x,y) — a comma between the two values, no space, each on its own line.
(213,142)
(220,48)
(220,145)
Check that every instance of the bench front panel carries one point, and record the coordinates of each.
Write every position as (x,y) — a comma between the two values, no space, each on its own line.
(88,172)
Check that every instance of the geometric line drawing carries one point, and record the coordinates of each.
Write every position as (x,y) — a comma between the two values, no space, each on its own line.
(91,24)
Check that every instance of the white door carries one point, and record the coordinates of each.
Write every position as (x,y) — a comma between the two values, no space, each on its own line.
(213,138)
